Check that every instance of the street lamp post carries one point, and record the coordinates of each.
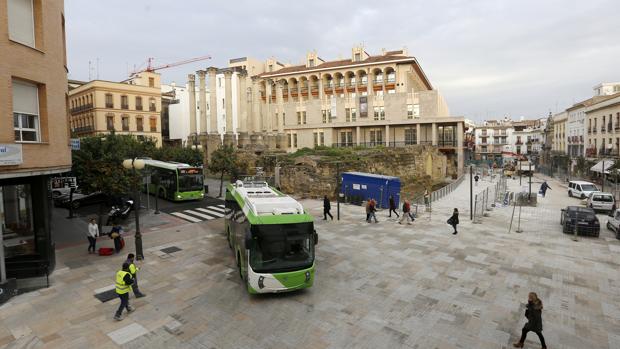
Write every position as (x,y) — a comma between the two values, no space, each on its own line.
(136,165)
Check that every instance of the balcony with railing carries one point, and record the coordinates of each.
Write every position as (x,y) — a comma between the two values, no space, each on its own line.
(603,129)
(83,129)
(109,105)
(81,108)
(446,142)
(589,130)
(139,107)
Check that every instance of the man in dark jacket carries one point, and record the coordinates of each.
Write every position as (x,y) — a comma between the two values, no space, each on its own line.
(326,207)
(393,207)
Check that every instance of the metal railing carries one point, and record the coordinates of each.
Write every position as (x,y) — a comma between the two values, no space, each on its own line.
(442,192)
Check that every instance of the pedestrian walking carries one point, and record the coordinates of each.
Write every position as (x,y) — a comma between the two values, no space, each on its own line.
(533,313)
(372,210)
(133,270)
(93,232)
(543,188)
(393,207)
(476,178)
(123,286)
(454,220)
(368,211)
(326,207)
(115,235)
(426,197)
(406,213)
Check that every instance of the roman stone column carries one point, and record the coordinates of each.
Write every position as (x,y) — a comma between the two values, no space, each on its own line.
(434,134)
(418,134)
(255,126)
(228,136)
(203,101)
(213,139)
(191,89)
(358,135)
(243,137)
(211,71)
(459,147)
(387,135)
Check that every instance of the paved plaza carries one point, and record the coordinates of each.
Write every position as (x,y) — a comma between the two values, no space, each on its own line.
(379,285)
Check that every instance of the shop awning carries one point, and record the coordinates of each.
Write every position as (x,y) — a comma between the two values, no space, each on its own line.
(599,166)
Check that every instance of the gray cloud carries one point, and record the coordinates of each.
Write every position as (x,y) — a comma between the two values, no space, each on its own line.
(489,58)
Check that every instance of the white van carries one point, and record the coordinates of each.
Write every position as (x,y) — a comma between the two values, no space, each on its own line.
(581,189)
(602,202)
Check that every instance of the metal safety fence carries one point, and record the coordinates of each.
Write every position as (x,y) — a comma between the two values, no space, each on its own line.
(489,198)
(440,193)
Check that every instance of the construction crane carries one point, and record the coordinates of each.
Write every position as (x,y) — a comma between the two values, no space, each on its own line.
(151,68)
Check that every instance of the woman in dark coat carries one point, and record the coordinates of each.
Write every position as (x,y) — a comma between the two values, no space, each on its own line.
(454,220)
(393,207)
(533,313)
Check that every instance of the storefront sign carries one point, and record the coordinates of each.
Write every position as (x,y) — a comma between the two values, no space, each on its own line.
(63,182)
(75,144)
(363,107)
(10,154)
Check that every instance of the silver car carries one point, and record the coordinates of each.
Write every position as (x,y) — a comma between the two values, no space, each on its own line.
(602,202)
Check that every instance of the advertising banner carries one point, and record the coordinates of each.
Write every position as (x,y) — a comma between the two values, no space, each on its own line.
(363,107)
(10,154)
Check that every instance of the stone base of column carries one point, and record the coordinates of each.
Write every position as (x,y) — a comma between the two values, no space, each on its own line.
(271,141)
(229,140)
(255,139)
(243,139)
(281,142)
(213,143)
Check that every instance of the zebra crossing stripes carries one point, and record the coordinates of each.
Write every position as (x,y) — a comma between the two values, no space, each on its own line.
(186,217)
(201,214)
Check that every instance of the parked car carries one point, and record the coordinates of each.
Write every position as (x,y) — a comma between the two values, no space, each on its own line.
(583,218)
(602,202)
(58,192)
(80,199)
(613,223)
(581,189)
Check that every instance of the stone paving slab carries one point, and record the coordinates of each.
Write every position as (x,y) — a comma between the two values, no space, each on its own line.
(379,285)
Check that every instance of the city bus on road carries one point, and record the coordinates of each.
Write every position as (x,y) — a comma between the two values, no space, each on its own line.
(177,181)
(272,237)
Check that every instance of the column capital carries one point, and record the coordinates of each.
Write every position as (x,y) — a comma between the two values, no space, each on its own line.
(227,74)
(191,77)
(211,70)
(201,73)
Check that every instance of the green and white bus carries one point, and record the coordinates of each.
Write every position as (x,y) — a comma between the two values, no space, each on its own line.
(273,238)
(177,181)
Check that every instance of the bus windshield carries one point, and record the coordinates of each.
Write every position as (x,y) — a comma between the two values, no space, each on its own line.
(282,247)
(190,182)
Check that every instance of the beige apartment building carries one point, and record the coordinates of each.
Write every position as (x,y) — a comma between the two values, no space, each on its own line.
(129,107)
(560,123)
(603,119)
(363,100)
(34,137)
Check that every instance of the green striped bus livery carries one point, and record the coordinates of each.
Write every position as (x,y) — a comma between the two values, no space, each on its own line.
(177,181)
(273,238)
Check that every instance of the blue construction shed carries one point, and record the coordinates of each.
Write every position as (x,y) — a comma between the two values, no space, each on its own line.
(360,185)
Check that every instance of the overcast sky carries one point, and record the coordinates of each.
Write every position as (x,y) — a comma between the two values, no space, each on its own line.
(488,58)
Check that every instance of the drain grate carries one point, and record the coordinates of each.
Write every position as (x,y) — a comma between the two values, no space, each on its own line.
(106,295)
(171,249)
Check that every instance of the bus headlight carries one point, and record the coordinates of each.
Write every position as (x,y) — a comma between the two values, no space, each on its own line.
(307,276)
(178,196)
(260,282)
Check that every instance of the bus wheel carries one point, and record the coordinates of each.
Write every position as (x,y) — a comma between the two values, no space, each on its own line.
(239,266)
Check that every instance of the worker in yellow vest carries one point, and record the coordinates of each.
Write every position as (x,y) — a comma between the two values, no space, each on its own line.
(123,286)
(133,269)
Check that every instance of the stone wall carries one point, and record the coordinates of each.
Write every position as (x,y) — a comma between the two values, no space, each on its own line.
(419,168)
